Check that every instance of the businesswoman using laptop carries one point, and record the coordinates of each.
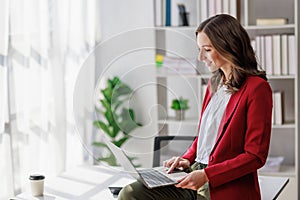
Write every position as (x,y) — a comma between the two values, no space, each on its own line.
(235,124)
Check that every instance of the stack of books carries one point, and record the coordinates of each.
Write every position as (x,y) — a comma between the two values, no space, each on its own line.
(271,21)
(273,164)
(177,65)
(276,53)
(184,13)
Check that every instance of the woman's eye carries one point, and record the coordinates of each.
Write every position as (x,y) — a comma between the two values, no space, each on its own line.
(207,50)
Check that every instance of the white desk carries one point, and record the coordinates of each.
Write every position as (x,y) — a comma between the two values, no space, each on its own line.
(92,182)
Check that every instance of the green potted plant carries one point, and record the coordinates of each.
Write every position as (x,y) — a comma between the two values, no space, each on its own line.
(179,105)
(116,119)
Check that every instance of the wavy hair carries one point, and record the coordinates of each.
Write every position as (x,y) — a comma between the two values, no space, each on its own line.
(233,43)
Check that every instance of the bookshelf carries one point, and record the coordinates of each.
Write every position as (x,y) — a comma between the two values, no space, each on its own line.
(175,40)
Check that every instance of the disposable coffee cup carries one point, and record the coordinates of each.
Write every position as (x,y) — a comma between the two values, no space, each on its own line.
(37,184)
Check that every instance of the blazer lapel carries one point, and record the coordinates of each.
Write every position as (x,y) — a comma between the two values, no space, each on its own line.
(231,106)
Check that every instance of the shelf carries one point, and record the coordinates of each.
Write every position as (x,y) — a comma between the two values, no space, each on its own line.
(187,121)
(161,74)
(269,27)
(186,28)
(287,27)
(285,170)
(166,75)
(274,77)
(207,76)
(193,121)
(283,126)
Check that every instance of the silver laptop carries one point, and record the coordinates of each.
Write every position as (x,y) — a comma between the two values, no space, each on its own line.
(152,177)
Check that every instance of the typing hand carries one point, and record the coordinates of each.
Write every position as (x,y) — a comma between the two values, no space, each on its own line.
(176,162)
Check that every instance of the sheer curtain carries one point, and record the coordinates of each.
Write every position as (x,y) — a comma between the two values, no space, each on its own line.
(6,181)
(43,44)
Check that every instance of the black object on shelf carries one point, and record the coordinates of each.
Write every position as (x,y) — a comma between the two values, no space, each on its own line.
(183,15)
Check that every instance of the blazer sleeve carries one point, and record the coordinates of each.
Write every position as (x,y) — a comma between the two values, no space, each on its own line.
(191,153)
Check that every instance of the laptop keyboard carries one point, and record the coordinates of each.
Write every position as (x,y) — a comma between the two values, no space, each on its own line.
(155,178)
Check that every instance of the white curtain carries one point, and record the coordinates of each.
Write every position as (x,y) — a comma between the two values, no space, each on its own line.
(43,44)
(4,30)
(6,180)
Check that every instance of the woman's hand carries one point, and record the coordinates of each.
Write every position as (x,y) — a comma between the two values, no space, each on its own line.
(176,162)
(193,180)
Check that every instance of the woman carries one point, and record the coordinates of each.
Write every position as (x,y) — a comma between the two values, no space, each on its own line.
(235,123)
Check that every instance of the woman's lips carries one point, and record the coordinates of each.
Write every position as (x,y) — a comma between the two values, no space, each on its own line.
(208,64)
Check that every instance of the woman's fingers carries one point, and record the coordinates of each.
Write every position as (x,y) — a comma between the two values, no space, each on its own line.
(174,165)
(176,162)
(168,163)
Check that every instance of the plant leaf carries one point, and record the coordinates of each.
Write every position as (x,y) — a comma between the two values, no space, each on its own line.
(127,124)
(122,89)
(103,126)
(99,144)
(111,160)
(120,142)
(180,104)
(109,116)
(105,104)
(107,93)
(131,113)
(115,81)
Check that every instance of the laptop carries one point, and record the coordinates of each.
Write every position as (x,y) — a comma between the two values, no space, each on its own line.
(151,177)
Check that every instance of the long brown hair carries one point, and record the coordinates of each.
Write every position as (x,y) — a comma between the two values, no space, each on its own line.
(233,43)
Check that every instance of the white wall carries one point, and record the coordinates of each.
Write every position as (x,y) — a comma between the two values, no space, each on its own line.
(127,50)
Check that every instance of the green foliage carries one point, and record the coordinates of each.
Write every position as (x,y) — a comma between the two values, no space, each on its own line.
(180,104)
(117,120)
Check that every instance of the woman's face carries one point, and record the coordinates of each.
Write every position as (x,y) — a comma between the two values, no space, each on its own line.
(210,56)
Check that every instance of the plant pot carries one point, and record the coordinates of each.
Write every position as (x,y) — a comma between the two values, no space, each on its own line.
(179,115)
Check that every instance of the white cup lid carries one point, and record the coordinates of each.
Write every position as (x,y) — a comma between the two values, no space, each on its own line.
(36,177)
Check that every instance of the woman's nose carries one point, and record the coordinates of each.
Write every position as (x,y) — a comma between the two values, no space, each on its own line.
(201,55)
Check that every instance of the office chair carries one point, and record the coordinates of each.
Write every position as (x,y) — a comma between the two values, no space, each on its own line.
(166,147)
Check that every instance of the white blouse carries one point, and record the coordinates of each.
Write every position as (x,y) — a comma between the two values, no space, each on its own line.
(210,123)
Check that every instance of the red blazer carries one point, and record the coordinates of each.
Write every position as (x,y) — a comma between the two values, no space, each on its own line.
(242,143)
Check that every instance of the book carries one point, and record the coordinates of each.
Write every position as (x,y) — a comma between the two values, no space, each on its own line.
(158,13)
(233,8)
(284,54)
(204,10)
(225,8)
(211,8)
(278,107)
(263,52)
(292,54)
(276,55)
(253,44)
(219,6)
(257,49)
(163,13)
(175,18)
(269,54)
(168,13)
(271,21)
